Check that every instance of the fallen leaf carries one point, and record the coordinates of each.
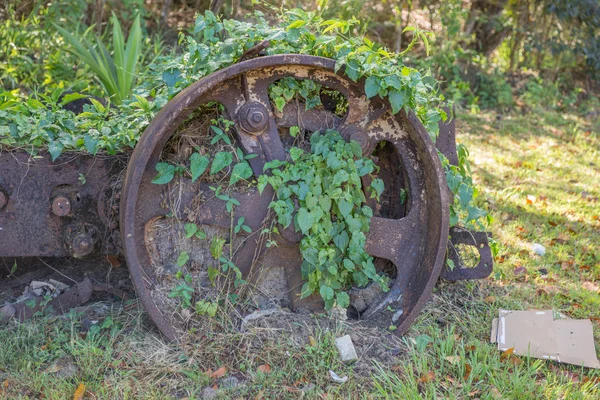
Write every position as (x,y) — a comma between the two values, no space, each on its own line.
(530,199)
(78,395)
(260,394)
(264,368)
(470,348)
(552,223)
(562,238)
(591,286)
(428,377)
(515,360)
(520,270)
(453,359)
(490,299)
(219,373)
(595,380)
(507,353)
(312,341)
(584,268)
(566,265)
(467,372)
(291,389)
(113,260)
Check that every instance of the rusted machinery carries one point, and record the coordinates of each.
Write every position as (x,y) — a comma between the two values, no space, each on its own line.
(80,206)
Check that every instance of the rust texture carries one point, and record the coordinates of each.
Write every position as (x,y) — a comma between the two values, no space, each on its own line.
(479,240)
(414,244)
(45,202)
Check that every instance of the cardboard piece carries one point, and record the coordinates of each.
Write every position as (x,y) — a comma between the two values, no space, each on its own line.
(537,334)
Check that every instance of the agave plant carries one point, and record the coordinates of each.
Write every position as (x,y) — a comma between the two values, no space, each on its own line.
(116,73)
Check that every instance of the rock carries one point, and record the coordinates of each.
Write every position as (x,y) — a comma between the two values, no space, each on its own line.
(64,367)
(338,313)
(346,348)
(229,383)
(362,298)
(208,393)
(336,378)
(355,338)
(7,312)
(538,249)
(59,285)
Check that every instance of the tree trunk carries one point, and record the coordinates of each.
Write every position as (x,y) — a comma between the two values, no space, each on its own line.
(485,24)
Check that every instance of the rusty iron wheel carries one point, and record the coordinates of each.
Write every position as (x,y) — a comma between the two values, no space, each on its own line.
(410,236)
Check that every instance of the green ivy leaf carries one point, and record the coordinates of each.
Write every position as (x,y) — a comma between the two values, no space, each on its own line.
(166,173)
(305,219)
(222,159)
(397,100)
(345,207)
(378,186)
(240,171)
(296,153)
(182,259)
(343,300)
(91,144)
(326,292)
(190,230)
(371,86)
(55,149)
(198,165)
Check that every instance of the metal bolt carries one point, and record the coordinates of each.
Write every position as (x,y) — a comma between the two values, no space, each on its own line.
(253,118)
(3,199)
(83,244)
(61,206)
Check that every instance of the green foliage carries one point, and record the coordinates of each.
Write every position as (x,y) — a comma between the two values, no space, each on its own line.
(326,183)
(286,89)
(116,73)
(183,292)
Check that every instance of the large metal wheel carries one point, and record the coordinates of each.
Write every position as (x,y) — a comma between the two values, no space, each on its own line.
(408,236)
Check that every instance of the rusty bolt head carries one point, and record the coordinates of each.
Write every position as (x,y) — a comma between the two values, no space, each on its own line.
(3,199)
(83,244)
(61,206)
(253,118)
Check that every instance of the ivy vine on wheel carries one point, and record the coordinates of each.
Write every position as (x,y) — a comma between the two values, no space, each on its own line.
(310,207)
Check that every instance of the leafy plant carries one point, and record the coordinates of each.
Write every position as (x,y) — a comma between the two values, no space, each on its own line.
(117,73)
(332,216)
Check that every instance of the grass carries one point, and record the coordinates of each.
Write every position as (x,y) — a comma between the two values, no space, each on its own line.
(539,176)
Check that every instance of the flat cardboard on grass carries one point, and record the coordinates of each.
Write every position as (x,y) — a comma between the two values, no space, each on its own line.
(537,334)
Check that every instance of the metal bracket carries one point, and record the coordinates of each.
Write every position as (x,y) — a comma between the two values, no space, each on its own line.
(478,240)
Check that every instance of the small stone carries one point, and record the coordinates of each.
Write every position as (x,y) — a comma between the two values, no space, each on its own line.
(7,312)
(355,338)
(338,313)
(229,383)
(208,393)
(346,348)
(538,249)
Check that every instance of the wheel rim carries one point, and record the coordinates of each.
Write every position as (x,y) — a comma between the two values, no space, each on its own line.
(414,244)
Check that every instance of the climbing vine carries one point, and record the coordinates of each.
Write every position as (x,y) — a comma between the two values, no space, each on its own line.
(332,215)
